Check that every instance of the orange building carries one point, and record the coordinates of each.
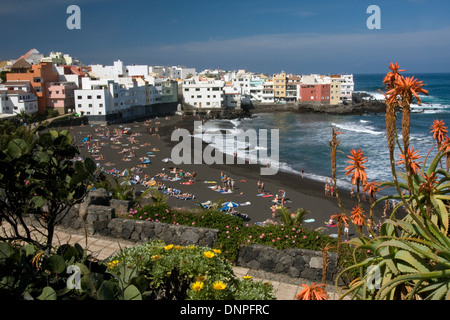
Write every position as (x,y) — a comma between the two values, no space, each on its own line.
(39,75)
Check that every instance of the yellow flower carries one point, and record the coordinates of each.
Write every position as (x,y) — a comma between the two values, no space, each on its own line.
(178,247)
(169,247)
(192,247)
(197,286)
(219,285)
(112,264)
(156,257)
(218,251)
(247,277)
(208,254)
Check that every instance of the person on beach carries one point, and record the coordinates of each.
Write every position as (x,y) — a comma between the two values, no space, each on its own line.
(259,186)
(274,210)
(346,229)
(283,196)
(262,187)
(303,172)
(352,193)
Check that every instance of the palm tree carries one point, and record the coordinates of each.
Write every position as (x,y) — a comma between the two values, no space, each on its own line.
(292,220)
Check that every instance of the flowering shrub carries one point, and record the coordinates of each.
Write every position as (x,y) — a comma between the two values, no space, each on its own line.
(185,272)
(232,231)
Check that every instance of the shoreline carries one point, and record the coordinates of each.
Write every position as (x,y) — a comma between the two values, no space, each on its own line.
(302,192)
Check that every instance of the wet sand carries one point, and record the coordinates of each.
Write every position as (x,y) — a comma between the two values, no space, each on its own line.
(301,192)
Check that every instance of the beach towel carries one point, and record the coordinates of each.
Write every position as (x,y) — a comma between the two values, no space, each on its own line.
(267,195)
(186,183)
(332,225)
(209,181)
(309,220)
(245,203)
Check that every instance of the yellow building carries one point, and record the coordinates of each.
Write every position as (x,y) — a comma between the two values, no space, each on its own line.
(335,91)
(279,86)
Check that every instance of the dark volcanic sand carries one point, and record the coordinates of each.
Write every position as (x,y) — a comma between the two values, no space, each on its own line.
(302,192)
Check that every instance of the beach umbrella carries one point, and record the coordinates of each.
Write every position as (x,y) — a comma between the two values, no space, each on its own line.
(230,204)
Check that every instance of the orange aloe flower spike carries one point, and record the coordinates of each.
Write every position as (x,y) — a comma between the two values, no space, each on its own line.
(438,130)
(342,217)
(392,75)
(314,292)
(358,216)
(412,156)
(407,88)
(356,167)
(371,188)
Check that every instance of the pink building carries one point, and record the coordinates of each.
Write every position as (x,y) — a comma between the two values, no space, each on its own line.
(315,92)
(61,97)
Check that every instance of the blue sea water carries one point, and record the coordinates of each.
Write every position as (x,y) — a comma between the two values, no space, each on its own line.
(304,138)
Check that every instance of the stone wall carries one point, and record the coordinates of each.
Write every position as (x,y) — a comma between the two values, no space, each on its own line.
(98,215)
(296,263)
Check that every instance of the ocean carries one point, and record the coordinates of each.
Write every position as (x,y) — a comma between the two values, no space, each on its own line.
(304,138)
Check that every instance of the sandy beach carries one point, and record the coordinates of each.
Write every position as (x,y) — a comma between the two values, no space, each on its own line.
(141,146)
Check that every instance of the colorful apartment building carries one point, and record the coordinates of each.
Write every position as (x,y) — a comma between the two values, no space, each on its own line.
(315,92)
(279,86)
(60,96)
(40,76)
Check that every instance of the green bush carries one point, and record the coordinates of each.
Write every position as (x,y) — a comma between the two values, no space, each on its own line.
(185,273)
(26,272)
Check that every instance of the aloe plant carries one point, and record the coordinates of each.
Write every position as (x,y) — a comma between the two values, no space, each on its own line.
(410,258)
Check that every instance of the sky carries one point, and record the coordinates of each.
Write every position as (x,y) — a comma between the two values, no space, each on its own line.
(267,36)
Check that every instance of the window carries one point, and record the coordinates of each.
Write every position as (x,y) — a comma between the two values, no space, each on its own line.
(79,105)
(89,97)
(79,97)
(99,97)
(90,105)
(37,80)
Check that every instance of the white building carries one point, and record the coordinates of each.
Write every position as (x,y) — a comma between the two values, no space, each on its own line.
(181,72)
(102,97)
(347,85)
(203,93)
(16,101)
(119,70)
(268,93)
